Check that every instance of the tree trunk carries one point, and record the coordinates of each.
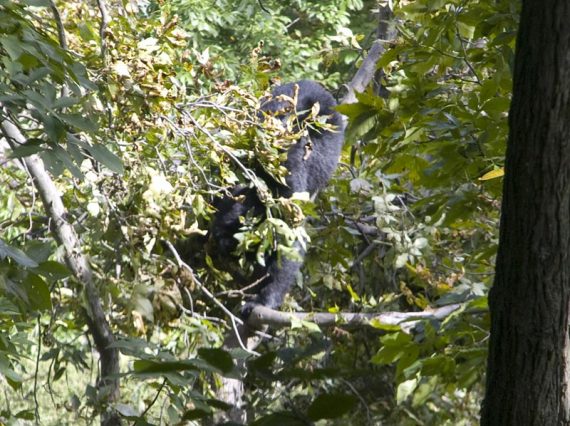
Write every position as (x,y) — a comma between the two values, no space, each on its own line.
(528,368)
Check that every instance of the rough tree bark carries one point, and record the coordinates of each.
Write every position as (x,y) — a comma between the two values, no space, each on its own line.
(529,352)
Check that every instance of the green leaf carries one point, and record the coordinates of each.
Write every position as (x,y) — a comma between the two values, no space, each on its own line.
(79,122)
(217,358)
(493,174)
(311,326)
(396,346)
(37,292)
(376,323)
(37,3)
(38,100)
(478,303)
(439,365)
(279,419)
(331,406)
(387,57)
(8,308)
(405,389)
(16,254)
(38,74)
(148,366)
(31,147)
(12,45)
(424,391)
(53,270)
(388,355)
(195,414)
(66,160)
(497,106)
(86,31)
(58,373)
(107,158)
(65,102)
(127,410)
(54,128)
(263,362)
(26,415)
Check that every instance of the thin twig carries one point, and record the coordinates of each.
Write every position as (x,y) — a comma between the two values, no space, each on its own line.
(263,7)
(242,290)
(153,401)
(191,310)
(103,28)
(248,173)
(61,37)
(59,24)
(37,405)
(465,55)
(235,320)
(184,135)
(360,397)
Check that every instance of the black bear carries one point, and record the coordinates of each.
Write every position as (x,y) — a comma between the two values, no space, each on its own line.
(310,163)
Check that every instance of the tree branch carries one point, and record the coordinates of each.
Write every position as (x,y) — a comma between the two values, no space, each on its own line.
(60,35)
(367,70)
(264,316)
(79,266)
(102,5)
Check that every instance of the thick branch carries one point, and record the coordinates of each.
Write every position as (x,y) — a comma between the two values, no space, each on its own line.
(367,69)
(365,73)
(79,266)
(262,315)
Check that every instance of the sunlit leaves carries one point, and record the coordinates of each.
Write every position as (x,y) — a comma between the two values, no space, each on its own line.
(493,174)
(440,136)
(45,89)
(307,39)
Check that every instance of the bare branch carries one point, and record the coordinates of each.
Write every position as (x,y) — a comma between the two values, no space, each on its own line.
(237,323)
(102,5)
(60,35)
(59,25)
(263,7)
(264,316)
(367,69)
(365,73)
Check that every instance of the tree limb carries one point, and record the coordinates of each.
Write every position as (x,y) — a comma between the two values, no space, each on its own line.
(60,35)
(367,70)
(264,316)
(102,5)
(79,266)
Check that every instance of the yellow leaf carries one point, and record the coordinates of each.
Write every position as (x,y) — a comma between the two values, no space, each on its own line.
(355,297)
(493,174)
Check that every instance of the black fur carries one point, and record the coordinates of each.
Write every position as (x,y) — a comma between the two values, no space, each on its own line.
(310,162)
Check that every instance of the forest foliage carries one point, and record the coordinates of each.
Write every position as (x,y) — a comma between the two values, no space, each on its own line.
(143,128)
